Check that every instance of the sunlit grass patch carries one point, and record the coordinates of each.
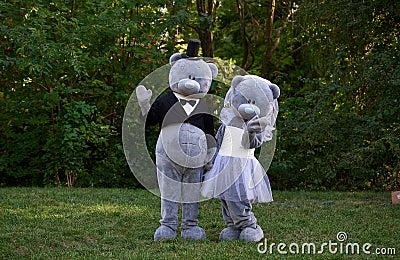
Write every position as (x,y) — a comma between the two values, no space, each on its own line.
(119,223)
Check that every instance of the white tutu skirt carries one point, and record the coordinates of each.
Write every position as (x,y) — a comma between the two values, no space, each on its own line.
(237,179)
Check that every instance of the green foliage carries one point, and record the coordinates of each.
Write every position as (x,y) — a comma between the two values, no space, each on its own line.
(340,131)
(68,70)
(81,139)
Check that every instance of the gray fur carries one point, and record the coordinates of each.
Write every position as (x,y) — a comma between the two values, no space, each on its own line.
(193,69)
(164,232)
(229,233)
(252,234)
(182,151)
(249,104)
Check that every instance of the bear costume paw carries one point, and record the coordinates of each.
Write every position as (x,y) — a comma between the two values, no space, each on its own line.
(252,234)
(193,233)
(164,232)
(229,233)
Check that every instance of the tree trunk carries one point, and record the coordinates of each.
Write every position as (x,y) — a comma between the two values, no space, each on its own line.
(206,10)
(241,6)
(266,68)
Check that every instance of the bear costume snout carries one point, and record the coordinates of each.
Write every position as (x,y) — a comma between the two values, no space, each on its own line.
(248,111)
(188,87)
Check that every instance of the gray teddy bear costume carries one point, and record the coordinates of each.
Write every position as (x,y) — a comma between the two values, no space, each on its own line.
(237,178)
(185,143)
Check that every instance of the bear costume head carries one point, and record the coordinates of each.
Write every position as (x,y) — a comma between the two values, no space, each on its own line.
(251,98)
(189,74)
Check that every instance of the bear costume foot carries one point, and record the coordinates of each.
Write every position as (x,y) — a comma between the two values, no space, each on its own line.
(252,234)
(229,233)
(193,233)
(164,232)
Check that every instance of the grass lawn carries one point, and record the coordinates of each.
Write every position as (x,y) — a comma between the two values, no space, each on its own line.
(47,223)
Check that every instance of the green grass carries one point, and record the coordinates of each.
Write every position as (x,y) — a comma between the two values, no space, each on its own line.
(44,223)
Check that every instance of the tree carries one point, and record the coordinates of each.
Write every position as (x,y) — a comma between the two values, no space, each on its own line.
(340,131)
(206,10)
(68,70)
(259,33)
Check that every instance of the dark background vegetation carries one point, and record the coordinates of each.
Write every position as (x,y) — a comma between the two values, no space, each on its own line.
(68,68)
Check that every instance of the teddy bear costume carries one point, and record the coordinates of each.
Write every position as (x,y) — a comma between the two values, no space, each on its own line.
(237,177)
(185,143)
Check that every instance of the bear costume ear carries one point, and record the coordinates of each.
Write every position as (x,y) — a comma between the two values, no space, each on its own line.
(236,80)
(276,92)
(214,70)
(175,57)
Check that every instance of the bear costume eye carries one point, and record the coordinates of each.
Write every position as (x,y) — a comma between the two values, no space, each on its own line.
(251,101)
(192,77)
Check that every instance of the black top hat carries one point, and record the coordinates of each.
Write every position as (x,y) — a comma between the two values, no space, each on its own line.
(193,48)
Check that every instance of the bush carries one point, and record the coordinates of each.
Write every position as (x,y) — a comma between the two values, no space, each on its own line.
(342,137)
(68,70)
